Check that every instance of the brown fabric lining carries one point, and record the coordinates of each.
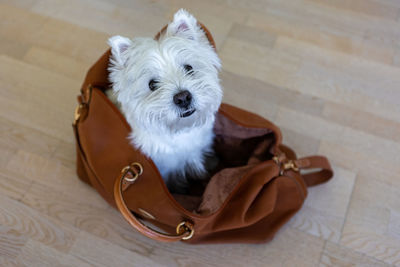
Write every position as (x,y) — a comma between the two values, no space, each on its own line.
(238,149)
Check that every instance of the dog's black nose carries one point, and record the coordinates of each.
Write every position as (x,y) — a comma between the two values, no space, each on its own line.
(183,99)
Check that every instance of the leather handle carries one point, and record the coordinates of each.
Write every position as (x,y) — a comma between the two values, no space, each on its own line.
(315,162)
(122,184)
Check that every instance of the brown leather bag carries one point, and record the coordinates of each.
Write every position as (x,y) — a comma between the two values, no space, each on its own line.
(256,188)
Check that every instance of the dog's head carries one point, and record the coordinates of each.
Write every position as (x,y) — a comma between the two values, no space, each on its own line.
(168,84)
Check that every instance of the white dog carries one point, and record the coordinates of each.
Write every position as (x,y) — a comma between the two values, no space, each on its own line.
(169,92)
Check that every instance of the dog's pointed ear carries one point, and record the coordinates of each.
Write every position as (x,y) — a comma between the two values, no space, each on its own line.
(184,25)
(119,45)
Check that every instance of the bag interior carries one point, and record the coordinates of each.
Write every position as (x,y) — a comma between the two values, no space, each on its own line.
(237,150)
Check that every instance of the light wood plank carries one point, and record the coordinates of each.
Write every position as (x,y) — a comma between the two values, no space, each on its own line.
(354,140)
(335,255)
(326,207)
(105,253)
(26,80)
(37,254)
(368,7)
(359,120)
(23,222)
(16,136)
(63,206)
(56,62)
(13,187)
(51,173)
(367,225)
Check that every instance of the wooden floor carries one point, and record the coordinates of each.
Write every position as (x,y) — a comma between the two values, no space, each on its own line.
(326,71)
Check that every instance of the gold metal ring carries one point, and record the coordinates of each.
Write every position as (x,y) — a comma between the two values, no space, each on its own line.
(138,166)
(135,169)
(186,226)
(291,165)
(77,113)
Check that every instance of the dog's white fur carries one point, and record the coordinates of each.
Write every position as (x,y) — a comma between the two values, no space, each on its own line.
(176,144)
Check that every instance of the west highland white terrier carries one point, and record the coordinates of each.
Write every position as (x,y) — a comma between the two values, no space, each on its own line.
(169,92)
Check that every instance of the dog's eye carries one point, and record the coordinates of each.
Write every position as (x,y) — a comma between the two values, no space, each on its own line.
(188,69)
(153,85)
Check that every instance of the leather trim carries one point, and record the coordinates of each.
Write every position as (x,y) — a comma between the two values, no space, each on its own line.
(136,223)
(315,162)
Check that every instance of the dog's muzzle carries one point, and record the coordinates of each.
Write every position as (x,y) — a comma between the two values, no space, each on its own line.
(187,113)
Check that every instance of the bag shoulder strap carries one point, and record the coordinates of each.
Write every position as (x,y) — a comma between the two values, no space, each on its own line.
(315,162)
(312,162)
(128,176)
